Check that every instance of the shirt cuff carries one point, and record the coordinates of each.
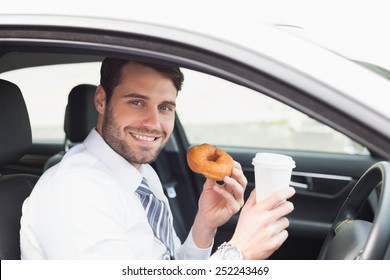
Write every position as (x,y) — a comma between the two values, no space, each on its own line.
(190,251)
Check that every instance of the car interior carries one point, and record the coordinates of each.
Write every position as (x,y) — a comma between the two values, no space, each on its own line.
(15,140)
(322,180)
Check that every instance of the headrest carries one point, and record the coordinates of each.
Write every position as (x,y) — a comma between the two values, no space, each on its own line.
(81,115)
(15,129)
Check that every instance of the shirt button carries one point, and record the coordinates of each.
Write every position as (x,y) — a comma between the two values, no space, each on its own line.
(166,256)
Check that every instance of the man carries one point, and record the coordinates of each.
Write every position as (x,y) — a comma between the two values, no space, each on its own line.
(99,201)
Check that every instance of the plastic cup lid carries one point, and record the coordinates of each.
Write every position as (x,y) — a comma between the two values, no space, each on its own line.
(273,160)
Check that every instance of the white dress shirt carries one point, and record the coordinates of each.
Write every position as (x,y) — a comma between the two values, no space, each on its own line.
(85,207)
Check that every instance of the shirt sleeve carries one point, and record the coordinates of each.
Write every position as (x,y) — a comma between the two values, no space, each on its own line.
(189,250)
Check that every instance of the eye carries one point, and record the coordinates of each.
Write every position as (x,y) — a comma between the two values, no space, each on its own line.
(166,108)
(136,102)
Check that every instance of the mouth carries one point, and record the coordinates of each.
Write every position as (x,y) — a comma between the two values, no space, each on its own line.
(145,138)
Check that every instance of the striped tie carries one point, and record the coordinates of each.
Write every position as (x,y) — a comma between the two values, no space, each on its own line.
(158,217)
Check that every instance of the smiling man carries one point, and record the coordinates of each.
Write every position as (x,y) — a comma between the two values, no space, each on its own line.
(138,119)
(105,201)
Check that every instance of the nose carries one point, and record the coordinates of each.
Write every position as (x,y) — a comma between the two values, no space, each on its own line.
(151,118)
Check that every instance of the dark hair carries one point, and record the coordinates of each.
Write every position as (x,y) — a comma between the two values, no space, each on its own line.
(111,73)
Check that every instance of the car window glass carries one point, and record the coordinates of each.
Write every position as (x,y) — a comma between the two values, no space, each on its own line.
(45,90)
(218,112)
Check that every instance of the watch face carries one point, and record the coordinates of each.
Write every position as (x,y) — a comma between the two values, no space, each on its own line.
(231,253)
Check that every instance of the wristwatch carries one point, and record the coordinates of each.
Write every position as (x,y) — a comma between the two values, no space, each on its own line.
(228,252)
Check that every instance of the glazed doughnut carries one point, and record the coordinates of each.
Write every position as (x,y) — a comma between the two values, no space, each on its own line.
(210,161)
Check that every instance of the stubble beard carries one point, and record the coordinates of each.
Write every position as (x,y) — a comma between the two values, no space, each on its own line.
(112,133)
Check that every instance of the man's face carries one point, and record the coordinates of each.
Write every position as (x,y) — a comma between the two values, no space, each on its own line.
(139,118)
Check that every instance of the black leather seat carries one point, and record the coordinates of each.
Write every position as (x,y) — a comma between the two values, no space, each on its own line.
(80,118)
(15,141)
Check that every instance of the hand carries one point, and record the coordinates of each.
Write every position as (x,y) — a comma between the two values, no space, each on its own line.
(261,227)
(217,204)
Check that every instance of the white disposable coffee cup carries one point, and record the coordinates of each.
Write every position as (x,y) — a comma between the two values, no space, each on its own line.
(272,172)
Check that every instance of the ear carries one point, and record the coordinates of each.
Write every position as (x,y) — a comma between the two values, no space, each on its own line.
(100,100)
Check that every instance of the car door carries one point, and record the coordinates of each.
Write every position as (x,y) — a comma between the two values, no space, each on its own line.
(244,122)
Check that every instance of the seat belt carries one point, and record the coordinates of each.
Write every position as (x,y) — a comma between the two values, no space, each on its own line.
(169,184)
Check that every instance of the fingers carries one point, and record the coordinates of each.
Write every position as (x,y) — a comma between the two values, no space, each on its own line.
(234,203)
(278,240)
(282,210)
(209,184)
(280,225)
(262,226)
(237,181)
(238,174)
(251,199)
(277,198)
(236,190)
(234,186)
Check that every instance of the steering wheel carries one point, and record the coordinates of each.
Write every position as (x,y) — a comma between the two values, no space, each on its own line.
(350,238)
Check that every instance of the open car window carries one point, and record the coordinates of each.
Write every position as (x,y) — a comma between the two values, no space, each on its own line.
(219,112)
(210,109)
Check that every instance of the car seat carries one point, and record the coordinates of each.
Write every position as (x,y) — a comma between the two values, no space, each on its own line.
(80,118)
(15,141)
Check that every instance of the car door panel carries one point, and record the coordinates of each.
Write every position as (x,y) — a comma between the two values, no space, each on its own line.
(322,182)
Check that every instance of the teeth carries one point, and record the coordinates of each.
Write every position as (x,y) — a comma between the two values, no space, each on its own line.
(143,138)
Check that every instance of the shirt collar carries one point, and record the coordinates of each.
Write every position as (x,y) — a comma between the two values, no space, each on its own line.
(121,169)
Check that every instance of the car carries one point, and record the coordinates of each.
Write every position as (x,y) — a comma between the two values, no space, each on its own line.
(270,92)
